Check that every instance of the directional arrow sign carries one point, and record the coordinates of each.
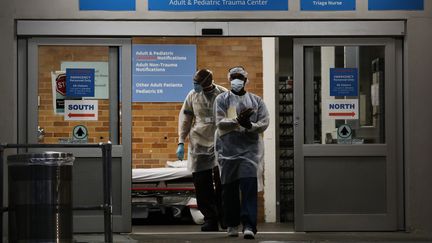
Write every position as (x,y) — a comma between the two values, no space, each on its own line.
(81,110)
(341,109)
(80,132)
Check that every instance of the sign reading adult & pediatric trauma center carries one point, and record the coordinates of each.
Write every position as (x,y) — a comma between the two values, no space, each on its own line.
(396,4)
(217,5)
(162,73)
(80,82)
(343,82)
(328,5)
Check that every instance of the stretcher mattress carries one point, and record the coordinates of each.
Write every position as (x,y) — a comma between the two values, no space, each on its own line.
(159,174)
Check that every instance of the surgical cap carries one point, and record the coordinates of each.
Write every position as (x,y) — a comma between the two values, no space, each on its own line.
(237,70)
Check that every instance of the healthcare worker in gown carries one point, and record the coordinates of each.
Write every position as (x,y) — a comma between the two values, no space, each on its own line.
(196,120)
(241,118)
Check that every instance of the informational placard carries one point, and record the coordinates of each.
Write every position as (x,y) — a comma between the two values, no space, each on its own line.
(346,109)
(343,82)
(58,82)
(162,73)
(328,5)
(217,5)
(81,110)
(107,5)
(396,4)
(101,76)
(80,82)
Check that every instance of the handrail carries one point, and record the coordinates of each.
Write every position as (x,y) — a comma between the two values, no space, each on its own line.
(107,181)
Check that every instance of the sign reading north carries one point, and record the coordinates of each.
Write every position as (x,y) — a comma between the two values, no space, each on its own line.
(217,5)
(81,110)
(80,132)
(343,82)
(341,109)
(80,82)
(162,73)
(328,5)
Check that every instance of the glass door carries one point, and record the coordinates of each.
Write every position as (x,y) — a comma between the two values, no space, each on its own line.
(346,129)
(78,91)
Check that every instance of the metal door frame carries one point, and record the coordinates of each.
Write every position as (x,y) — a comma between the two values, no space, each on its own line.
(313,222)
(29,111)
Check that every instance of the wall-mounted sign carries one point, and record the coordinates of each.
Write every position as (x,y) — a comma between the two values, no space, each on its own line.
(396,4)
(81,110)
(162,73)
(109,5)
(101,75)
(328,5)
(344,132)
(341,109)
(58,82)
(343,82)
(217,5)
(80,132)
(80,82)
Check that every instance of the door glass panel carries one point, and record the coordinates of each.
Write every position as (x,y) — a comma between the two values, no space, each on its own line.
(88,119)
(344,95)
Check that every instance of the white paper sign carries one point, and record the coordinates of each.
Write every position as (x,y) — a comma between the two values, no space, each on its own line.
(81,110)
(341,109)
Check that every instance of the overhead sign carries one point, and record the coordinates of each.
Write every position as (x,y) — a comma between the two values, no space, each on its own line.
(109,5)
(341,109)
(80,132)
(328,5)
(217,5)
(80,82)
(162,73)
(81,110)
(343,82)
(101,76)
(396,4)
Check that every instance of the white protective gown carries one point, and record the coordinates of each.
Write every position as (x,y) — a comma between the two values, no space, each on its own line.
(240,151)
(196,119)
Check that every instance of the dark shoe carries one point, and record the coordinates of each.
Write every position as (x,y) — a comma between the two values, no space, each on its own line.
(223,226)
(248,234)
(209,226)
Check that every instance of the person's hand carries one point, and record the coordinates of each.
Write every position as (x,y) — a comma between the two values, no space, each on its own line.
(244,118)
(180,151)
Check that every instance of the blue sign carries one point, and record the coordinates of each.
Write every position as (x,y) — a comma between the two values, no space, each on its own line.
(110,5)
(328,5)
(217,5)
(80,82)
(343,82)
(162,73)
(396,4)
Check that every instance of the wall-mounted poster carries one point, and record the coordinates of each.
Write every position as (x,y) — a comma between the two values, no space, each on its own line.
(162,73)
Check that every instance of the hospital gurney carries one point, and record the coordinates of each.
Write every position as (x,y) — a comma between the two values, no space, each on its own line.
(168,191)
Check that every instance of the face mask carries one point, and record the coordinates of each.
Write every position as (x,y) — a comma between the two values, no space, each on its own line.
(237,85)
(197,87)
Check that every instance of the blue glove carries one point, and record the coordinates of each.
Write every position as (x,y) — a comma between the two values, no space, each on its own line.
(180,151)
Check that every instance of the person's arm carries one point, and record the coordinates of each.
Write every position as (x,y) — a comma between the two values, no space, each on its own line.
(186,117)
(224,117)
(263,119)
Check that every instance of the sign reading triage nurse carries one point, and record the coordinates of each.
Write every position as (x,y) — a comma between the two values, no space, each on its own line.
(328,5)
(217,5)
(162,73)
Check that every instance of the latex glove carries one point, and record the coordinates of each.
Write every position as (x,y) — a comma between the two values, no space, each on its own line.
(180,151)
(244,118)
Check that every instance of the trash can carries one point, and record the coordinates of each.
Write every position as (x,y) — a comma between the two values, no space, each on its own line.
(40,197)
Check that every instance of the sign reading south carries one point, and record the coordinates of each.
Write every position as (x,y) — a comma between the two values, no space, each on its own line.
(341,109)
(343,82)
(162,73)
(80,82)
(81,110)
(217,5)
(328,5)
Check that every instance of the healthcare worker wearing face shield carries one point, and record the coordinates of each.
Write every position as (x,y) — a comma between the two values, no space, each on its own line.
(241,118)
(196,120)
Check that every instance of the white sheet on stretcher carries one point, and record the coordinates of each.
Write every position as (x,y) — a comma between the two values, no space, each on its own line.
(159,174)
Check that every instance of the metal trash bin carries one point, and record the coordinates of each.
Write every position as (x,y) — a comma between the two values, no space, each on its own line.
(40,197)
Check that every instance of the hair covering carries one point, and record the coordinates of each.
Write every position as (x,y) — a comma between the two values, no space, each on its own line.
(237,70)
(204,77)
